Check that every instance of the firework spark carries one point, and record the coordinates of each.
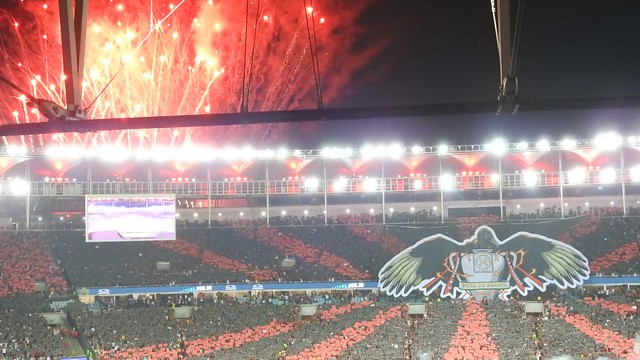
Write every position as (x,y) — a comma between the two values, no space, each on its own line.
(185,57)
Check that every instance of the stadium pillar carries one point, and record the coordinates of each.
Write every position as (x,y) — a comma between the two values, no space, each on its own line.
(441,192)
(561,181)
(500,188)
(622,182)
(267,187)
(89,178)
(382,188)
(27,177)
(324,186)
(149,178)
(209,195)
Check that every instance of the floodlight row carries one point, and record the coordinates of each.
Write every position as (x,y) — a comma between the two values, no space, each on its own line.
(200,153)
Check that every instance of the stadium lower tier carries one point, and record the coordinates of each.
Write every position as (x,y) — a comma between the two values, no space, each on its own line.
(364,325)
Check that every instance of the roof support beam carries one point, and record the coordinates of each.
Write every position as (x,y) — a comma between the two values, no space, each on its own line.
(73,28)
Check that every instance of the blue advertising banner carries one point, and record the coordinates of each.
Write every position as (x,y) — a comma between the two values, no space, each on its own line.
(300,286)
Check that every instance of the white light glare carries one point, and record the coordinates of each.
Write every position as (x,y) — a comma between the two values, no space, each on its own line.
(394,151)
(417,185)
(16,150)
(443,149)
(607,141)
(340,185)
(569,144)
(607,176)
(522,146)
(370,185)
(577,176)
(416,150)
(495,178)
(282,153)
(543,145)
(634,173)
(530,178)
(497,147)
(19,187)
(311,184)
(336,153)
(446,182)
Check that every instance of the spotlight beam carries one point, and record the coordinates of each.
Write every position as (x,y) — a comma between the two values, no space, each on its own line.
(296,116)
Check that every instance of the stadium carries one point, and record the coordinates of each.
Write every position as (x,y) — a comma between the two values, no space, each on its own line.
(165,242)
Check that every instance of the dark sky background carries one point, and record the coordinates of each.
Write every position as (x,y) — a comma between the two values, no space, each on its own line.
(445,51)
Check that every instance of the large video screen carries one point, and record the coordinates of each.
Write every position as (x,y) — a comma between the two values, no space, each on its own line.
(130,217)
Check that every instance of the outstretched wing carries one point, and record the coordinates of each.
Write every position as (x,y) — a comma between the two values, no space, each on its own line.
(536,261)
(423,264)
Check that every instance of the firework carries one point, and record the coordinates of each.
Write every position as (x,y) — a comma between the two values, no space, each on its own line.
(185,57)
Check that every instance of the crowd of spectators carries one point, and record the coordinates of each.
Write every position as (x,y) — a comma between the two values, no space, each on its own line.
(24,334)
(25,259)
(350,249)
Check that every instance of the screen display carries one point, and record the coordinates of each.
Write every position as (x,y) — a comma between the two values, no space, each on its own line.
(130,217)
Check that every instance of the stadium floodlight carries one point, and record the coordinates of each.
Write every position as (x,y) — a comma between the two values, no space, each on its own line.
(391,210)
(417,185)
(412,209)
(417,150)
(367,151)
(371,211)
(446,182)
(522,146)
(607,176)
(443,149)
(348,211)
(19,187)
(247,153)
(530,178)
(543,145)
(568,144)
(311,184)
(632,140)
(283,212)
(497,147)
(336,153)
(576,176)
(607,141)
(263,213)
(161,153)
(634,173)
(306,212)
(393,151)
(282,153)
(541,205)
(495,178)
(340,184)
(16,150)
(114,153)
(370,185)
(241,213)
(297,153)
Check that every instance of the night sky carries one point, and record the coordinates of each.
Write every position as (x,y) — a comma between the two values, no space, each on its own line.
(445,51)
